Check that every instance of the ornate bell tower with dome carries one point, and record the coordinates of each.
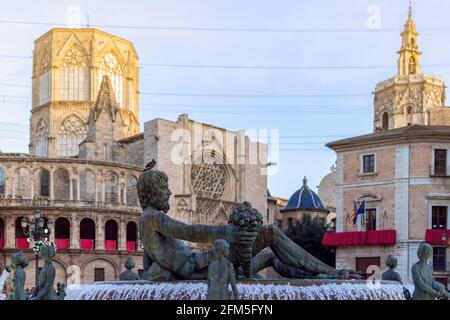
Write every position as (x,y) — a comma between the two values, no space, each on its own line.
(411,97)
(68,69)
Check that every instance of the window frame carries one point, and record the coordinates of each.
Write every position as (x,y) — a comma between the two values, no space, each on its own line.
(362,166)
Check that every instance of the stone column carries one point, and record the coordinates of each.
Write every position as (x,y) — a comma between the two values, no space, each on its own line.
(32,186)
(75,232)
(78,189)
(100,234)
(103,191)
(96,190)
(122,238)
(119,199)
(70,188)
(52,191)
(10,232)
(125,194)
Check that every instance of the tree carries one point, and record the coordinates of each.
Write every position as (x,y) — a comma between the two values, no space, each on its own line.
(308,234)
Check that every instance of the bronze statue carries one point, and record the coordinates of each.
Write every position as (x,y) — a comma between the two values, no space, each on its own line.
(391,274)
(129,275)
(166,257)
(18,264)
(221,273)
(45,289)
(425,287)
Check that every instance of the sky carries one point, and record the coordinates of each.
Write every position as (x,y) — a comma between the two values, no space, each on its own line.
(304,68)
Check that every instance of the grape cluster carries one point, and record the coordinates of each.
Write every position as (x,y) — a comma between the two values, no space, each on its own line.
(245,218)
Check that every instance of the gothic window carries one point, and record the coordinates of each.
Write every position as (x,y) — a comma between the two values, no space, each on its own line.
(111,67)
(44,183)
(44,80)
(71,133)
(74,81)
(41,138)
(208,179)
(409,115)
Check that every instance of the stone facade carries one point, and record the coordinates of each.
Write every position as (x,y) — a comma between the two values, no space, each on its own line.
(86,154)
(400,171)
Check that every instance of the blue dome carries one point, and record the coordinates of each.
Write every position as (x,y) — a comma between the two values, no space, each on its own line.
(304,198)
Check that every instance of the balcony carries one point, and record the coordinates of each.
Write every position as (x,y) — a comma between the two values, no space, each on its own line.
(43,202)
(110,245)
(437,236)
(22,243)
(87,244)
(363,238)
(131,245)
(62,243)
(439,172)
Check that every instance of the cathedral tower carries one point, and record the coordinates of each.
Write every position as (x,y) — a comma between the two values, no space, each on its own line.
(411,97)
(68,69)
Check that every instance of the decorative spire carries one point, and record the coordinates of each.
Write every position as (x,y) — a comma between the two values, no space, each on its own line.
(408,62)
(305,181)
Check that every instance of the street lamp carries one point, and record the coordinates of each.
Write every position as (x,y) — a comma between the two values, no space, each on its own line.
(38,232)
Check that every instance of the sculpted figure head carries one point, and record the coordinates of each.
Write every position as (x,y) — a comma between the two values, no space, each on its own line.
(18,259)
(221,249)
(424,251)
(47,251)
(129,264)
(153,188)
(391,262)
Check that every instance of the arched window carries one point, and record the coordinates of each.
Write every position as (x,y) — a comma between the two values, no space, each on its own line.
(61,187)
(74,81)
(111,235)
(409,115)
(44,80)
(71,133)
(111,186)
(20,234)
(62,233)
(44,183)
(385,120)
(41,138)
(111,67)
(131,236)
(2,181)
(22,183)
(412,65)
(132,197)
(87,234)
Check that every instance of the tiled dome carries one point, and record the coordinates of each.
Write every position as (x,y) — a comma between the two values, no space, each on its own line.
(304,198)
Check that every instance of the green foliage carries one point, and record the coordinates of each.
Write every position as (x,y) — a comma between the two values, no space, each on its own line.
(308,234)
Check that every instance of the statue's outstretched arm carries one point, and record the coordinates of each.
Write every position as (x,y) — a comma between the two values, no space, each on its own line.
(189,232)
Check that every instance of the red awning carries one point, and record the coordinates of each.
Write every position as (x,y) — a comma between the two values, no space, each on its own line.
(62,243)
(22,243)
(110,245)
(438,236)
(131,245)
(363,238)
(87,244)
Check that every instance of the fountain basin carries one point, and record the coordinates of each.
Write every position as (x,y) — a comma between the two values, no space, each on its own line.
(249,290)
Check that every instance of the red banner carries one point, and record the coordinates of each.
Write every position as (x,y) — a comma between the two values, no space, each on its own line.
(87,244)
(62,243)
(438,236)
(363,238)
(2,243)
(110,245)
(22,243)
(131,245)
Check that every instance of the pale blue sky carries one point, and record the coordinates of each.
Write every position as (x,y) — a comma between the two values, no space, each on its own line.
(338,36)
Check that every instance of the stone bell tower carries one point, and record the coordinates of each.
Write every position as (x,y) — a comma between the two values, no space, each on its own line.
(68,68)
(411,97)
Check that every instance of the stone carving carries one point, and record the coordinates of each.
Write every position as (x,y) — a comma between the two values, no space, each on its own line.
(166,254)
(129,275)
(18,264)
(391,274)
(45,289)
(221,274)
(425,287)
(208,180)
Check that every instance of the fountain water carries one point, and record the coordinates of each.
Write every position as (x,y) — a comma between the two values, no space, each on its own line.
(261,290)
(3,278)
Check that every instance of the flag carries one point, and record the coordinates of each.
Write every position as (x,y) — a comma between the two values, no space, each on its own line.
(352,219)
(361,210)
